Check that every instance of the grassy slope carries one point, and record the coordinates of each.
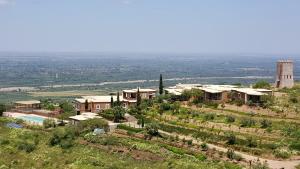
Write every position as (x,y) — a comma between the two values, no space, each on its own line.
(79,156)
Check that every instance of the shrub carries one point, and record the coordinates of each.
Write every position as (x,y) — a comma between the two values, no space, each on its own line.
(251,142)
(259,165)
(230,119)
(4,141)
(233,156)
(265,123)
(190,142)
(26,146)
(152,129)
(165,106)
(231,139)
(262,84)
(204,147)
(49,123)
(212,104)
(282,153)
(209,116)
(89,126)
(201,157)
(239,102)
(247,122)
(20,121)
(230,154)
(63,137)
(295,146)
(119,113)
(2,109)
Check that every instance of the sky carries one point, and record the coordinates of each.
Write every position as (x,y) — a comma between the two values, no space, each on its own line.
(173,26)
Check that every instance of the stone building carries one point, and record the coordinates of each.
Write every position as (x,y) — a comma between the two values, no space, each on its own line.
(284,75)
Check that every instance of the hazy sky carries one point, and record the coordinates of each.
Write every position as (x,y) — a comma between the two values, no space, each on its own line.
(184,26)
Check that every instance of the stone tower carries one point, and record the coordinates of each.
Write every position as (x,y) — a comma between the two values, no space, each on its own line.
(284,76)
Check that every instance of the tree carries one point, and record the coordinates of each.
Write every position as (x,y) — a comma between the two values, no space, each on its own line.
(86,105)
(262,84)
(111,102)
(138,98)
(152,130)
(119,113)
(118,103)
(161,87)
(2,109)
(67,110)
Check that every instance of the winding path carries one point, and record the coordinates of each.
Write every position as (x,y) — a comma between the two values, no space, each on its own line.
(274,164)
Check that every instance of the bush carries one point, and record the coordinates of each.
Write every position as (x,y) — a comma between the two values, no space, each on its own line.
(233,156)
(204,147)
(265,123)
(295,146)
(2,109)
(49,123)
(282,153)
(190,142)
(230,154)
(63,137)
(262,84)
(4,141)
(247,122)
(231,139)
(201,157)
(230,119)
(251,142)
(26,146)
(152,129)
(212,104)
(165,106)
(89,126)
(259,165)
(209,116)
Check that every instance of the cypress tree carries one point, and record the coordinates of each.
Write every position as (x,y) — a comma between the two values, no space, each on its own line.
(86,104)
(161,87)
(111,102)
(138,98)
(118,99)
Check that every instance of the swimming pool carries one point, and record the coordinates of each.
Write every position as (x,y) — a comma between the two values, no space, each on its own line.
(32,119)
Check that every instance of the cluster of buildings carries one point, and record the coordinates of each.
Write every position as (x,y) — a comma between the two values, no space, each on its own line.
(222,93)
(88,106)
(98,103)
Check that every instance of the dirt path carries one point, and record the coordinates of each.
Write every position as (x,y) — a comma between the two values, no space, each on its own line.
(274,164)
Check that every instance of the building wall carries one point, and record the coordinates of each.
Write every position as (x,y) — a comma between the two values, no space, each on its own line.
(93,106)
(133,96)
(27,106)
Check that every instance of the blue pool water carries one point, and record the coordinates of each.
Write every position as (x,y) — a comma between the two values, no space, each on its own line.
(30,118)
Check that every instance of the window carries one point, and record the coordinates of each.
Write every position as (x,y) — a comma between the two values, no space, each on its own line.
(107,106)
(98,106)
